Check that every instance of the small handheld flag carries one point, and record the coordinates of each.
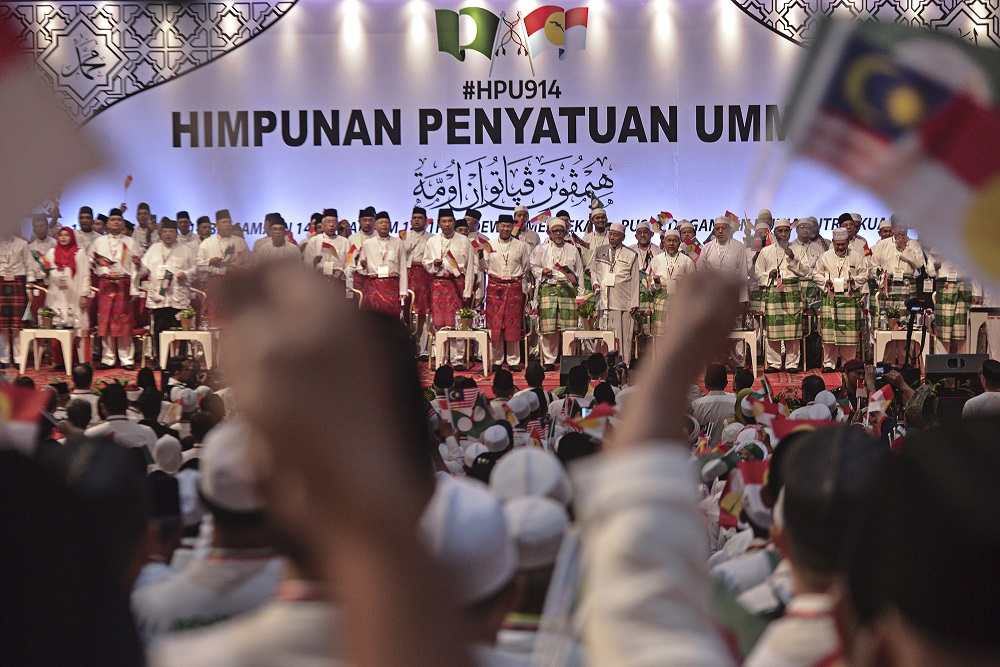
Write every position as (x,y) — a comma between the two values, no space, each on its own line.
(350,254)
(570,274)
(451,260)
(101,260)
(331,248)
(543,216)
(128,181)
(43,263)
(402,232)
(168,279)
(580,242)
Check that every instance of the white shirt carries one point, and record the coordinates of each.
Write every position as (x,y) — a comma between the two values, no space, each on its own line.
(119,249)
(65,289)
(178,260)
(509,259)
(730,257)
(330,258)
(830,266)
(986,404)
(893,261)
(269,252)
(15,258)
(416,243)
(714,408)
(216,246)
(86,239)
(125,432)
(811,252)
(222,585)
(804,636)
(548,255)
(42,246)
(623,264)
(388,256)
(773,257)
(90,397)
(461,249)
(669,270)
(190,240)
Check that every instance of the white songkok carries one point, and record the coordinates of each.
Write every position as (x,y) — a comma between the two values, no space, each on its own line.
(167,454)
(227,477)
(556,222)
(616,227)
(827,399)
(885,223)
(856,217)
(782,222)
(841,234)
(533,402)
(472,452)
(464,528)
(521,208)
(684,224)
(597,210)
(671,232)
(722,220)
(754,506)
(764,216)
(730,432)
(530,472)
(643,225)
(536,525)
(496,438)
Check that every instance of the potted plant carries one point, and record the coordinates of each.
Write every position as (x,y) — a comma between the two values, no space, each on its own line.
(45,314)
(186,318)
(892,313)
(465,316)
(587,311)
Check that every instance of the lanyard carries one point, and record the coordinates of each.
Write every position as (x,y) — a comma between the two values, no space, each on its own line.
(504,254)
(382,250)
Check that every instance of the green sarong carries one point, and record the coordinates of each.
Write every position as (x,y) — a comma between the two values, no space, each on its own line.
(556,307)
(783,311)
(952,299)
(840,320)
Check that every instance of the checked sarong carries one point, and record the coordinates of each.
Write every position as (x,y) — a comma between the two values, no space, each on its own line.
(952,299)
(783,311)
(556,307)
(840,320)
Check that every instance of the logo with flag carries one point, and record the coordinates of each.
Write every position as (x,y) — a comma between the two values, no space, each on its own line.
(101,260)
(660,222)
(469,412)
(546,27)
(43,263)
(543,216)
(878,103)
(329,248)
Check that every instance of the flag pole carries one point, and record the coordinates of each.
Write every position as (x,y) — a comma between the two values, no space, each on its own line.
(493,49)
(527,45)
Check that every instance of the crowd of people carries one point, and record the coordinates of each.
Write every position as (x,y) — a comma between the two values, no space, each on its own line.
(311,503)
(110,277)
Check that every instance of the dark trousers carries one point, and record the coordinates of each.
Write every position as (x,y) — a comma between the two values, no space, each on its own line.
(163,320)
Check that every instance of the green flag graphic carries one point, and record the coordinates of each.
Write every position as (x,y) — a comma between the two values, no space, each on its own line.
(487,24)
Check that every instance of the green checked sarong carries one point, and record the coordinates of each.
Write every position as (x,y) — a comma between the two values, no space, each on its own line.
(646,305)
(661,302)
(783,311)
(840,320)
(951,309)
(896,295)
(556,308)
(756,300)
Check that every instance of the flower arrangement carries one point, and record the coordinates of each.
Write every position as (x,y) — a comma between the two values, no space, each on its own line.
(466,313)
(45,311)
(186,314)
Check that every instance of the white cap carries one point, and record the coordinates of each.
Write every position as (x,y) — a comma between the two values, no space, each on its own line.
(533,402)
(556,222)
(761,227)
(885,223)
(684,224)
(764,215)
(203,390)
(530,472)
(189,400)
(496,438)
(816,411)
(536,525)
(167,454)
(840,234)
(782,222)
(754,506)
(730,432)
(464,527)
(521,208)
(828,400)
(643,225)
(520,405)
(723,220)
(616,227)
(472,452)
(671,232)
(227,477)
(595,211)
(856,217)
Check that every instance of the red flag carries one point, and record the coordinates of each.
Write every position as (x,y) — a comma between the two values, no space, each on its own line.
(128,181)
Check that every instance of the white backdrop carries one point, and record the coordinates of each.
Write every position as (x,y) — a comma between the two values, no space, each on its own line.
(357,58)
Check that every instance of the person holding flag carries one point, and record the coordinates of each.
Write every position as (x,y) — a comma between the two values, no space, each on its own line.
(841,275)
(419,280)
(506,266)
(326,252)
(522,228)
(664,271)
(616,280)
(169,264)
(383,260)
(730,256)
(451,260)
(115,259)
(217,254)
(782,271)
(646,251)
(690,245)
(481,244)
(366,230)
(557,268)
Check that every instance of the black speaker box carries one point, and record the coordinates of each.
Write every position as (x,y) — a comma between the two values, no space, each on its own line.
(959,366)
(566,364)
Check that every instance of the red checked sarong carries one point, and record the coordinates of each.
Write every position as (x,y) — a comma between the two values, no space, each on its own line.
(382,296)
(361,284)
(420,283)
(504,308)
(114,308)
(13,302)
(446,299)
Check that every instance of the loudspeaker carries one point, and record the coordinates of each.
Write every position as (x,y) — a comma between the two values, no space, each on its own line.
(959,366)
(566,364)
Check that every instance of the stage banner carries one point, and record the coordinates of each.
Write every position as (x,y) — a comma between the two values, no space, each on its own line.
(646,107)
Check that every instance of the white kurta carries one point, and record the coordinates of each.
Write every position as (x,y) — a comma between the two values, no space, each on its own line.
(810,252)
(160,260)
(773,257)
(120,250)
(461,249)
(595,240)
(216,246)
(416,243)
(831,266)
(893,261)
(385,258)
(617,277)
(730,257)
(509,259)
(329,261)
(268,252)
(66,289)
(670,269)
(548,255)
(190,240)
(86,239)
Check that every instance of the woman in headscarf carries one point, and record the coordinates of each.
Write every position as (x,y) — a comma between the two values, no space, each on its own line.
(68,284)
